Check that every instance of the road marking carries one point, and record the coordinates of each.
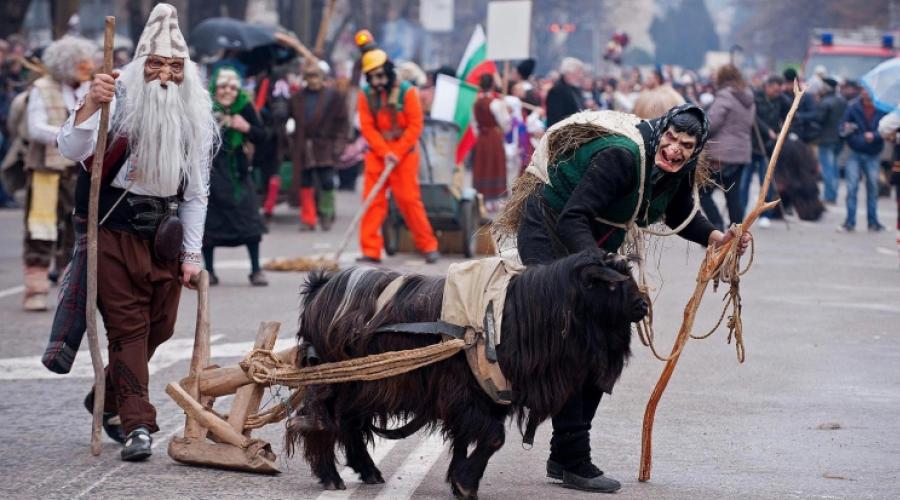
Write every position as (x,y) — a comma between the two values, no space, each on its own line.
(886,251)
(12,291)
(405,481)
(381,448)
(171,352)
(109,473)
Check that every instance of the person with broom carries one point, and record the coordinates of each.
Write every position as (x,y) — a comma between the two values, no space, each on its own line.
(594,176)
(155,179)
(391,120)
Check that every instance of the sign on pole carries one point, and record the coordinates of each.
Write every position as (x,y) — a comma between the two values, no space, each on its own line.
(509,30)
(436,15)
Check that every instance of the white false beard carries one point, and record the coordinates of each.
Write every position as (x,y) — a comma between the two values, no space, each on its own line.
(171,131)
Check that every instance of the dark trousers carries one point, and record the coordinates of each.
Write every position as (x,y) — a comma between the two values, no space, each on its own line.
(138,299)
(41,253)
(318,177)
(729,179)
(571,441)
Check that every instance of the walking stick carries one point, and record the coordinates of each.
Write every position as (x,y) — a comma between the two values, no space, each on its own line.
(388,168)
(93,207)
(709,269)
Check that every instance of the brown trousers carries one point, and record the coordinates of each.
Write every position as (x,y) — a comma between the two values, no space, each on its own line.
(39,253)
(138,299)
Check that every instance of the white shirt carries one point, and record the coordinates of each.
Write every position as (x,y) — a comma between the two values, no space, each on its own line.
(38,128)
(77,142)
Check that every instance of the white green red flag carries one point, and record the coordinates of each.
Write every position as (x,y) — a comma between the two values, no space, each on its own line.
(453,102)
(456,97)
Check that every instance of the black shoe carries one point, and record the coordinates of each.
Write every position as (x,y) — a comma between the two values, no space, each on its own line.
(876,228)
(213,279)
(587,477)
(53,276)
(258,279)
(365,259)
(112,424)
(554,470)
(432,257)
(138,445)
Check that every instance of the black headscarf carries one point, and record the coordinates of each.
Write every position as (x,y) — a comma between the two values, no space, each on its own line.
(659,125)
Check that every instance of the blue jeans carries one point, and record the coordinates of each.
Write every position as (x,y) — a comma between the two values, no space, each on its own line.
(828,154)
(758,165)
(860,163)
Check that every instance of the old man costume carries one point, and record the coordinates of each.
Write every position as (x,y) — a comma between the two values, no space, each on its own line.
(155,172)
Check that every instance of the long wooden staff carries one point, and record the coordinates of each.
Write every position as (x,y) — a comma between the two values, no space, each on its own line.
(93,207)
(708,270)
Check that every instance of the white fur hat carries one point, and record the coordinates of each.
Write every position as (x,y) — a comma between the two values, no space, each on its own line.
(161,35)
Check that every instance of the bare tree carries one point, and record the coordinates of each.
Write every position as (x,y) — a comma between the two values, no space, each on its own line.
(13,17)
(60,12)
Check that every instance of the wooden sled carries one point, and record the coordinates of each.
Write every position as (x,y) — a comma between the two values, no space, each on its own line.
(211,439)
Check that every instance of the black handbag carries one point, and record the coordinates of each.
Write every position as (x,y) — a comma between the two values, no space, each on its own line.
(169,235)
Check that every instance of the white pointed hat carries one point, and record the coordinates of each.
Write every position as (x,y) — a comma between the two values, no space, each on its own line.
(161,35)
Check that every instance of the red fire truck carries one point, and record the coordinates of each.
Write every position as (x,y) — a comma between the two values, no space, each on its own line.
(849,54)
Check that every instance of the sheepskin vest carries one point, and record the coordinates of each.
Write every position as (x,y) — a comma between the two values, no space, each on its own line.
(45,156)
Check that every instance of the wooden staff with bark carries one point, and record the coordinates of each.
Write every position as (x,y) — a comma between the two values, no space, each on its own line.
(710,269)
(92,229)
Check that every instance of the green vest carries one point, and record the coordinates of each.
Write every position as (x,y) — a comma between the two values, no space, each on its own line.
(567,173)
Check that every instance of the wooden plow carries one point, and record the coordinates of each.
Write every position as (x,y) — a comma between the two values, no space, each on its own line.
(210,438)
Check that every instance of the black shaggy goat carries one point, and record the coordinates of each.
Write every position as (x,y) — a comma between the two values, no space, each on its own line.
(563,324)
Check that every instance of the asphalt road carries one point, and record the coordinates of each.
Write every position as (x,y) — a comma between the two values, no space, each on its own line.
(812,413)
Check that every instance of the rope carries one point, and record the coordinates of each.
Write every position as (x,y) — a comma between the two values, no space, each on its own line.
(728,272)
(263,367)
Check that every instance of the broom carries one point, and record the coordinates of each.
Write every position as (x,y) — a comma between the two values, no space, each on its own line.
(303,264)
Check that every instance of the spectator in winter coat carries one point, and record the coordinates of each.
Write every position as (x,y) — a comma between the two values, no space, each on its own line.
(770,105)
(829,112)
(859,127)
(731,118)
(565,97)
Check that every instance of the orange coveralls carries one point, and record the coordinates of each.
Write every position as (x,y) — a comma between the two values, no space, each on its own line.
(403,181)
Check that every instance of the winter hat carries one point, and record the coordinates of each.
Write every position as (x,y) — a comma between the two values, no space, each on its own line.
(161,35)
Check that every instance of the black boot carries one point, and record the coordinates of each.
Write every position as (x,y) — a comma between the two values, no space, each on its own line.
(138,445)
(112,424)
(587,477)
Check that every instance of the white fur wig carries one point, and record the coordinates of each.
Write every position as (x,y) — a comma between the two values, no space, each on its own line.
(63,56)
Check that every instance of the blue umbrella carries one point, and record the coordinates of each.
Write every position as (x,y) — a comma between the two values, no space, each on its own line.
(883,84)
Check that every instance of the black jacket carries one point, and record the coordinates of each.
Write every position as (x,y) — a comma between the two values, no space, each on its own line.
(770,114)
(563,100)
(829,112)
(609,177)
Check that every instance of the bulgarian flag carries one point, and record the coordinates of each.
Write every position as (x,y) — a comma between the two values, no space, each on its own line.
(454,98)
(453,102)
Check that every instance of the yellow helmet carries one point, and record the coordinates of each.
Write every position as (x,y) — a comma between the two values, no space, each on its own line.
(373,59)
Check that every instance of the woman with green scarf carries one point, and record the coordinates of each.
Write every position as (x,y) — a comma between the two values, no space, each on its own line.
(233,216)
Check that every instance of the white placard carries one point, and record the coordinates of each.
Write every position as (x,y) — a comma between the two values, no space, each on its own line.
(436,15)
(509,30)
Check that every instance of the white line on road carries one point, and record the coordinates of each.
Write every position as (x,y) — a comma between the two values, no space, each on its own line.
(403,484)
(886,251)
(171,352)
(110,472)
(12,291)
(381,448)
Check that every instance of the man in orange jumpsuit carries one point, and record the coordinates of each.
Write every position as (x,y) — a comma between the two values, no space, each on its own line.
(391,119)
